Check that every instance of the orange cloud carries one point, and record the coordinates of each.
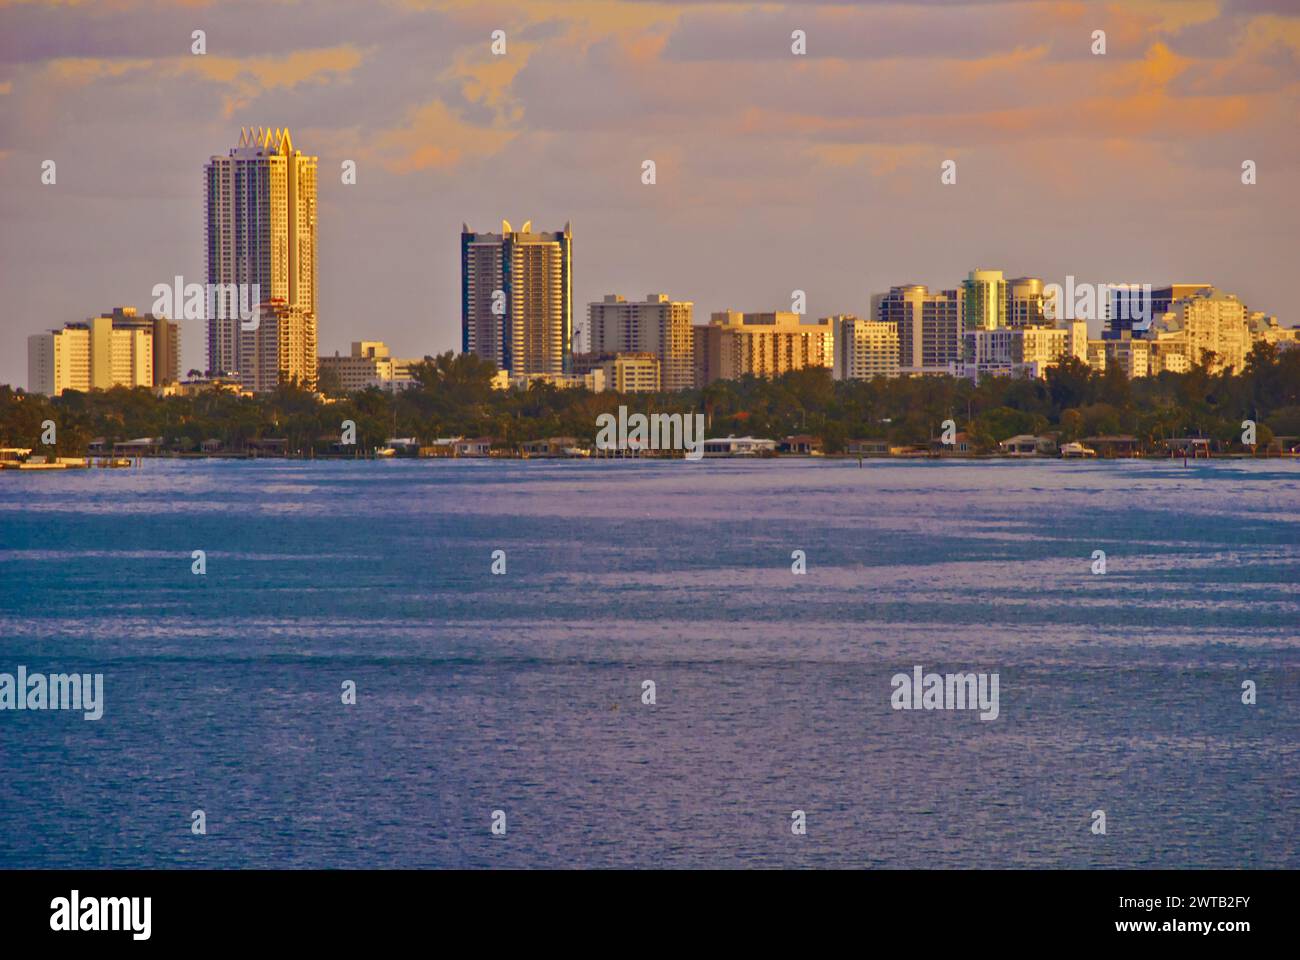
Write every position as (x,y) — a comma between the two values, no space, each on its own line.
(297,67)
(252,76)
(435,137)
(881,159)
(248,77)
(81,71)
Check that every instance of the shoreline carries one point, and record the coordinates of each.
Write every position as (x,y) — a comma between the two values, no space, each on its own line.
(137,462)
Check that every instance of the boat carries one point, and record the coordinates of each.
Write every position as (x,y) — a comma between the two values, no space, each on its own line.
(1075,450)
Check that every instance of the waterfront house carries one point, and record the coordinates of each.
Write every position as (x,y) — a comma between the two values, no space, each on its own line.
(550,447)
(141,446)
(1114,445)
(477,447)
(732,446)
(960,446)
(867,448)
(802,443)
(1028,445)
(441,447)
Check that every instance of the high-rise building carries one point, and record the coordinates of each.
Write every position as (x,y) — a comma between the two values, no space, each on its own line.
(624,372)
(633,373)
(1133,356)
(259,243)
(1025,304)
(59,360)
(166,351)
(1127,305)
(280,350)
(656,325)
(733,344)
(116,349)
(864,349)
(1265,328)
(368,365)
(1188,324)
(1207,323)
(166,339)
(1024,351)
(929,327)
(517,298)
(984,300)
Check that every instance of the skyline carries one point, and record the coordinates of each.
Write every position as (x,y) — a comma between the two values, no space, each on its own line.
(838,194)
(260,234)
(1091,318)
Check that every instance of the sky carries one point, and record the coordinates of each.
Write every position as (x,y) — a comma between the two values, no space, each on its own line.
(774,171)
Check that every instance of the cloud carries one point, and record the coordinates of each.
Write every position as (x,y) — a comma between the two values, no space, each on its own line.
(434,137)
(81,72)
(247,79)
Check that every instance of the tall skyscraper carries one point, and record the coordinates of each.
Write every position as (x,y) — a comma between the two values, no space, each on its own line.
(517,298)
(656,325)
(1025,303)
(929,327)
(260,231)
(984,300)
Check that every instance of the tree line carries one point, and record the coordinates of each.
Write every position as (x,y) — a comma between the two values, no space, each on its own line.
(452,396)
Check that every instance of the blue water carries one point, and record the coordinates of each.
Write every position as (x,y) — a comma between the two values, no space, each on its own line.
(522,692)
